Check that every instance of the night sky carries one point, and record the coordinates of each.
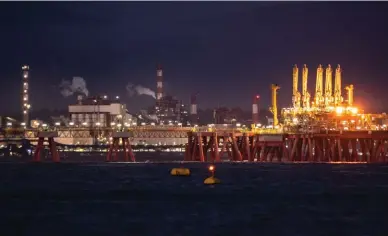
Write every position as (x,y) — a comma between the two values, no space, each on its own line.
(226,51)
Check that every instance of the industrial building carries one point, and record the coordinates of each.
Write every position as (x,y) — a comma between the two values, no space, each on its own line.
(99,111)
(168,109)
(327,110)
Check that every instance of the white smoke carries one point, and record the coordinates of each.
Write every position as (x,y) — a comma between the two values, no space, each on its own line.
(153,117)
(145,114)
(77,85)
(139,90)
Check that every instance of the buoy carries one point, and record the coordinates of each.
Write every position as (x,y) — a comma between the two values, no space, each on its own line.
(212,179)
(180,171)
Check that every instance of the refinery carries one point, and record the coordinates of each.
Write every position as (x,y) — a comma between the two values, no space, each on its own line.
(100,120)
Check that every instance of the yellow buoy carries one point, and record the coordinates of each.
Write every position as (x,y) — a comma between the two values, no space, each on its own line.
(180,172)
(211,180)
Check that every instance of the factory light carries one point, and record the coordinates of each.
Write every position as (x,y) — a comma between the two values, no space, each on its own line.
(339,110)
(23,124)
(134,123)
(238,124)
(127,125)
(143,123)
(9,124)
(71,123)
(354,110)
(98,123)
(105,97)
(117,97)
(112,123)
(44,125)
(57,123)
(85,123)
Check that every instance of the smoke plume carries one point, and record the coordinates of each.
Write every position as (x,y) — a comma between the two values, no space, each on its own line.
(77,85)
(139,90)
(145,114)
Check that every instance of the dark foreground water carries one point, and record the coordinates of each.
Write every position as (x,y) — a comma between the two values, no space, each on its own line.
(143,199)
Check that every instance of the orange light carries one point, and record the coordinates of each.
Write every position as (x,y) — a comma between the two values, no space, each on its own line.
(211,168)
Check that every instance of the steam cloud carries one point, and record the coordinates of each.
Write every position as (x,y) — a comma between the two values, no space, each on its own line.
(139,90)
(145,114)
(77,85)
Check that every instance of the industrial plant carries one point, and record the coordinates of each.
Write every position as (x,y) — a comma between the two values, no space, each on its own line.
(323,126)
(327,109)
(91,120)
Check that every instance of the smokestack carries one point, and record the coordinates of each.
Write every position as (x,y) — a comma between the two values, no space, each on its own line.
(193,109)
(159,83)
(255,109)
(25,104)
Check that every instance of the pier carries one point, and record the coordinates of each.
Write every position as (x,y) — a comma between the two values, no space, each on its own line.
(335,146)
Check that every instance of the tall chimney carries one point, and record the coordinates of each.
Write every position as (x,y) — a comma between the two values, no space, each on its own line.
(193,110)
(25,103)
(159,83)
(255,109)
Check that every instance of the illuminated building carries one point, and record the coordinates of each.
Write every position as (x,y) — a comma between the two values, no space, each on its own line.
(99,111)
